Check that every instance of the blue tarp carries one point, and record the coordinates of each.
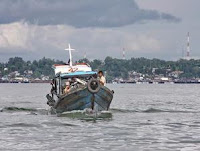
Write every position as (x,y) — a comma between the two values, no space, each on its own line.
(78,73)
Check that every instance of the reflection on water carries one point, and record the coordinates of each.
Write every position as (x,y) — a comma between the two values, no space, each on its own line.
(142,117)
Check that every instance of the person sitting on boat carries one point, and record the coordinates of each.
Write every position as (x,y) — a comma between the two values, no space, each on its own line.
(67,88)
(102,79)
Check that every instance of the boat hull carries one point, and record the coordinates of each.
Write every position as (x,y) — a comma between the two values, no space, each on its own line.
(83,98)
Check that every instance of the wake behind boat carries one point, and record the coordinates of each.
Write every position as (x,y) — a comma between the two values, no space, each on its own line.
(76,87)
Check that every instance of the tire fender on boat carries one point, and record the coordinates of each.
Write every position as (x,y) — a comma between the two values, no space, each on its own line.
(93,85)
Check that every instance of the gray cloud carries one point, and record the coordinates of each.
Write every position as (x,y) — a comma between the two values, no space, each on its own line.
(78,13)
(34,42)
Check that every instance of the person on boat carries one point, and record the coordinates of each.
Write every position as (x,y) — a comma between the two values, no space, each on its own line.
(67,88)
(102,79)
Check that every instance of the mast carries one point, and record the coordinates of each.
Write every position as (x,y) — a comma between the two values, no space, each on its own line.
(70,54)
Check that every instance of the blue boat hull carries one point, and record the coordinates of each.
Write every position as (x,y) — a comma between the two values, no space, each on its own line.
(83,98)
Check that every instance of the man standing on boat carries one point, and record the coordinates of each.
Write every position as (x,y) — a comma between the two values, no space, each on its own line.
(102,79)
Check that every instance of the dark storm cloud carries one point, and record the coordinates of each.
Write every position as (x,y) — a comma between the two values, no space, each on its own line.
(78,13)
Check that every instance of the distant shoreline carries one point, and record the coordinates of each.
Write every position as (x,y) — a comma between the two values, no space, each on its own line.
(137,83)
(12,82)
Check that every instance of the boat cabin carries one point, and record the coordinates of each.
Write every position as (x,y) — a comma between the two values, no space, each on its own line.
(74,77)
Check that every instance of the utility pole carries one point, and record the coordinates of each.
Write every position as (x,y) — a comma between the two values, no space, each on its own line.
(124,54)
(188,46)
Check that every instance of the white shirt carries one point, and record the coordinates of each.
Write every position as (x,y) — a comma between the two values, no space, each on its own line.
(103,80)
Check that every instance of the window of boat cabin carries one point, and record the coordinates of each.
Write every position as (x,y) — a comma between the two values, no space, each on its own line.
(63,83)
(72,81)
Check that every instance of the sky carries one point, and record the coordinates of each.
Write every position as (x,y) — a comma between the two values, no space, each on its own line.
(33,29)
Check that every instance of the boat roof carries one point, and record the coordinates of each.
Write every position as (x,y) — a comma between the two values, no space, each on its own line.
(77,74)
(81,67)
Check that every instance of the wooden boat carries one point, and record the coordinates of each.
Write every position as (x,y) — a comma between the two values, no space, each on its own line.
(85,89)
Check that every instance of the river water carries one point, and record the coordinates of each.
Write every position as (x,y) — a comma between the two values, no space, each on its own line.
(144,117)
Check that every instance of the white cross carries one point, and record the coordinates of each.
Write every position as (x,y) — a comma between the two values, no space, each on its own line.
(70,54)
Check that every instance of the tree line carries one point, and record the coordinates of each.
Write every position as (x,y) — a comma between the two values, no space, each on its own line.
(40,67)
(112,66)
